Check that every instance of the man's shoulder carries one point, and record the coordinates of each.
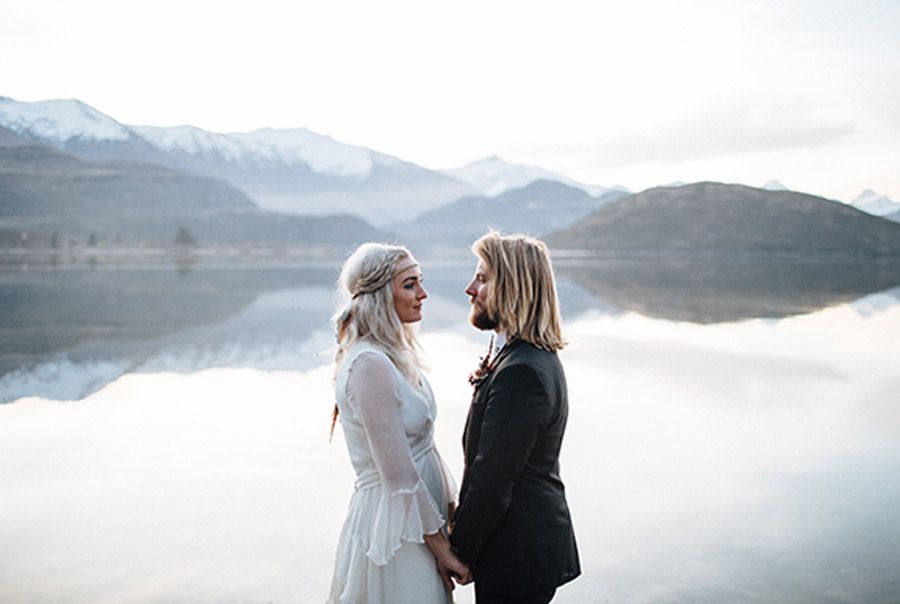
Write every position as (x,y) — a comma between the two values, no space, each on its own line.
(526,358)
(526,352)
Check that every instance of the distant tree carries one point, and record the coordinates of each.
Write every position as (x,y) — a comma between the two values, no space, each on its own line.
(92,240)
(9,239)
(185,238)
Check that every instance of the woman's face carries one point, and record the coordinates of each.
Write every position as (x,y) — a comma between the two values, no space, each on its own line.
(408,291)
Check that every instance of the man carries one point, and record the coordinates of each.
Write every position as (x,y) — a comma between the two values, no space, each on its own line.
(512,525)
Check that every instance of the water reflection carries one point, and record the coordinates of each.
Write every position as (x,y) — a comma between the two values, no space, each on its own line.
(66,332)
(748,462)
(744,462)
(706,290)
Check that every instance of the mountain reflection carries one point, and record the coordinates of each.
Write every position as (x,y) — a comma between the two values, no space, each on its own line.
(65,331)
(169,318)
(707,290)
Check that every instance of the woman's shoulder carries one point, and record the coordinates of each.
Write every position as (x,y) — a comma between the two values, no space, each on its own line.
(368,352)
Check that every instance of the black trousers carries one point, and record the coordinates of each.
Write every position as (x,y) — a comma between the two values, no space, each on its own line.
(485,598)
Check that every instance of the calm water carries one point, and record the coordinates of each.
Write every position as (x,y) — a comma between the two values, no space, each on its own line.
(734,431)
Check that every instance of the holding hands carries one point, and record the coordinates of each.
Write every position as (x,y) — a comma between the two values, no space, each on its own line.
(449,566)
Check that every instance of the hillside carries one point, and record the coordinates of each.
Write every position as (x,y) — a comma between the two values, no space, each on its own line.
(44,190)
(715,218)
(536,208)
(38,180)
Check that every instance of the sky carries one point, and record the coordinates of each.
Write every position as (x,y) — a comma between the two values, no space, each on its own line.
(639,93)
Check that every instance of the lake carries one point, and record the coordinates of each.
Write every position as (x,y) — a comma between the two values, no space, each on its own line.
(734,430)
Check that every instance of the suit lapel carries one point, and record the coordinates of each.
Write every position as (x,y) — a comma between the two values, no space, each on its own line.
(476,409)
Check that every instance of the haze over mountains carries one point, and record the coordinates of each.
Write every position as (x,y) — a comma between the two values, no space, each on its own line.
(66,166)
(873,203)
(539,207)
(291,171)
(493,176)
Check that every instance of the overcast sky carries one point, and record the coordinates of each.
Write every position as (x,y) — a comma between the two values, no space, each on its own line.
(637,93)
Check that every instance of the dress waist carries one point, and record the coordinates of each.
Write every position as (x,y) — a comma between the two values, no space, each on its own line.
(370,477)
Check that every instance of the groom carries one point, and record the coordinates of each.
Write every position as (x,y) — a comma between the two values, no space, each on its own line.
(512,525)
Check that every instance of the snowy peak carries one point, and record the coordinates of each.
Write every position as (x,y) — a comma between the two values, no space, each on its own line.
(494,176)
(58,121)
(873,203)
(774,185)
(188,139)
(61,122)
(321,153)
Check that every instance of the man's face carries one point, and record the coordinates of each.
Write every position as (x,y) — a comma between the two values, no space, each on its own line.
(477,291)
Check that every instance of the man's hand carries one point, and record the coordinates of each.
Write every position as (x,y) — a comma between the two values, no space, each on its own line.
(448,563)
(453,569)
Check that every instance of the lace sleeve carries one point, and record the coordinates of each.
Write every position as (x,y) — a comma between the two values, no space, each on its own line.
(406,511)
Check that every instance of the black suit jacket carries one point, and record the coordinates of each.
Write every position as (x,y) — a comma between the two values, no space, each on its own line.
(512,524)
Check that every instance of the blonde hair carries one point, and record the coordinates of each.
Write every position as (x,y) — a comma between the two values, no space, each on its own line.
(366,311)
(521,294)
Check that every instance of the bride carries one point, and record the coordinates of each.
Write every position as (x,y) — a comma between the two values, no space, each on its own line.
(393,548)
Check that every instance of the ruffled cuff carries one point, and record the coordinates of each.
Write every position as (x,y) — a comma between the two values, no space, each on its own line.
(403,515)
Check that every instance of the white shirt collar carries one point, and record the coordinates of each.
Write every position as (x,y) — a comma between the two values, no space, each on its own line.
(499,342)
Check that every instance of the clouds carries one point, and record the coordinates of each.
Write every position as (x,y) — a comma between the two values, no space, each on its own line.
(581,87)
(737,128)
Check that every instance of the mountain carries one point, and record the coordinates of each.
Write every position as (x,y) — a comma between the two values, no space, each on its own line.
(37,180)
(774,185)
(43,190)
(299,171)
(713,218)
(872,203)
(8,138)
(895,217)
(493,176)
(539,207)
(295,171)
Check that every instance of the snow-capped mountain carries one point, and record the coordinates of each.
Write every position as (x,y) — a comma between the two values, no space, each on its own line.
(59,121)
(493,176)
(878,205)
(322,154)
(294,170)
(774,185)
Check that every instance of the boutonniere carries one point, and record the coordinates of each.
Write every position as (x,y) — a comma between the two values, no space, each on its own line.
(484,366)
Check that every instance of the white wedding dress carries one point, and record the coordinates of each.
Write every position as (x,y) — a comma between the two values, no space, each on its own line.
(402,490)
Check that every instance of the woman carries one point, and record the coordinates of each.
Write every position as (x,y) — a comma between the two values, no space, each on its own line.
(393,548)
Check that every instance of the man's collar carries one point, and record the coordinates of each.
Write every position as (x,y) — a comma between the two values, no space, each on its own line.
(500,340)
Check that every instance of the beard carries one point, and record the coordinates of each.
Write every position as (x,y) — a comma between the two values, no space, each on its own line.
(480,318)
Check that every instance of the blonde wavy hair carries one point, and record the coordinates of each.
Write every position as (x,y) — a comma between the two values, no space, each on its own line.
(366,310)
(521,294)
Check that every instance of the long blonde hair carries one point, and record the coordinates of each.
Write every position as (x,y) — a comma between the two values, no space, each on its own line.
(366,310)
(521,295)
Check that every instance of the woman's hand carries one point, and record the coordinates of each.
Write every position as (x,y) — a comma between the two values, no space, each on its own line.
(448,563)
(455,568)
